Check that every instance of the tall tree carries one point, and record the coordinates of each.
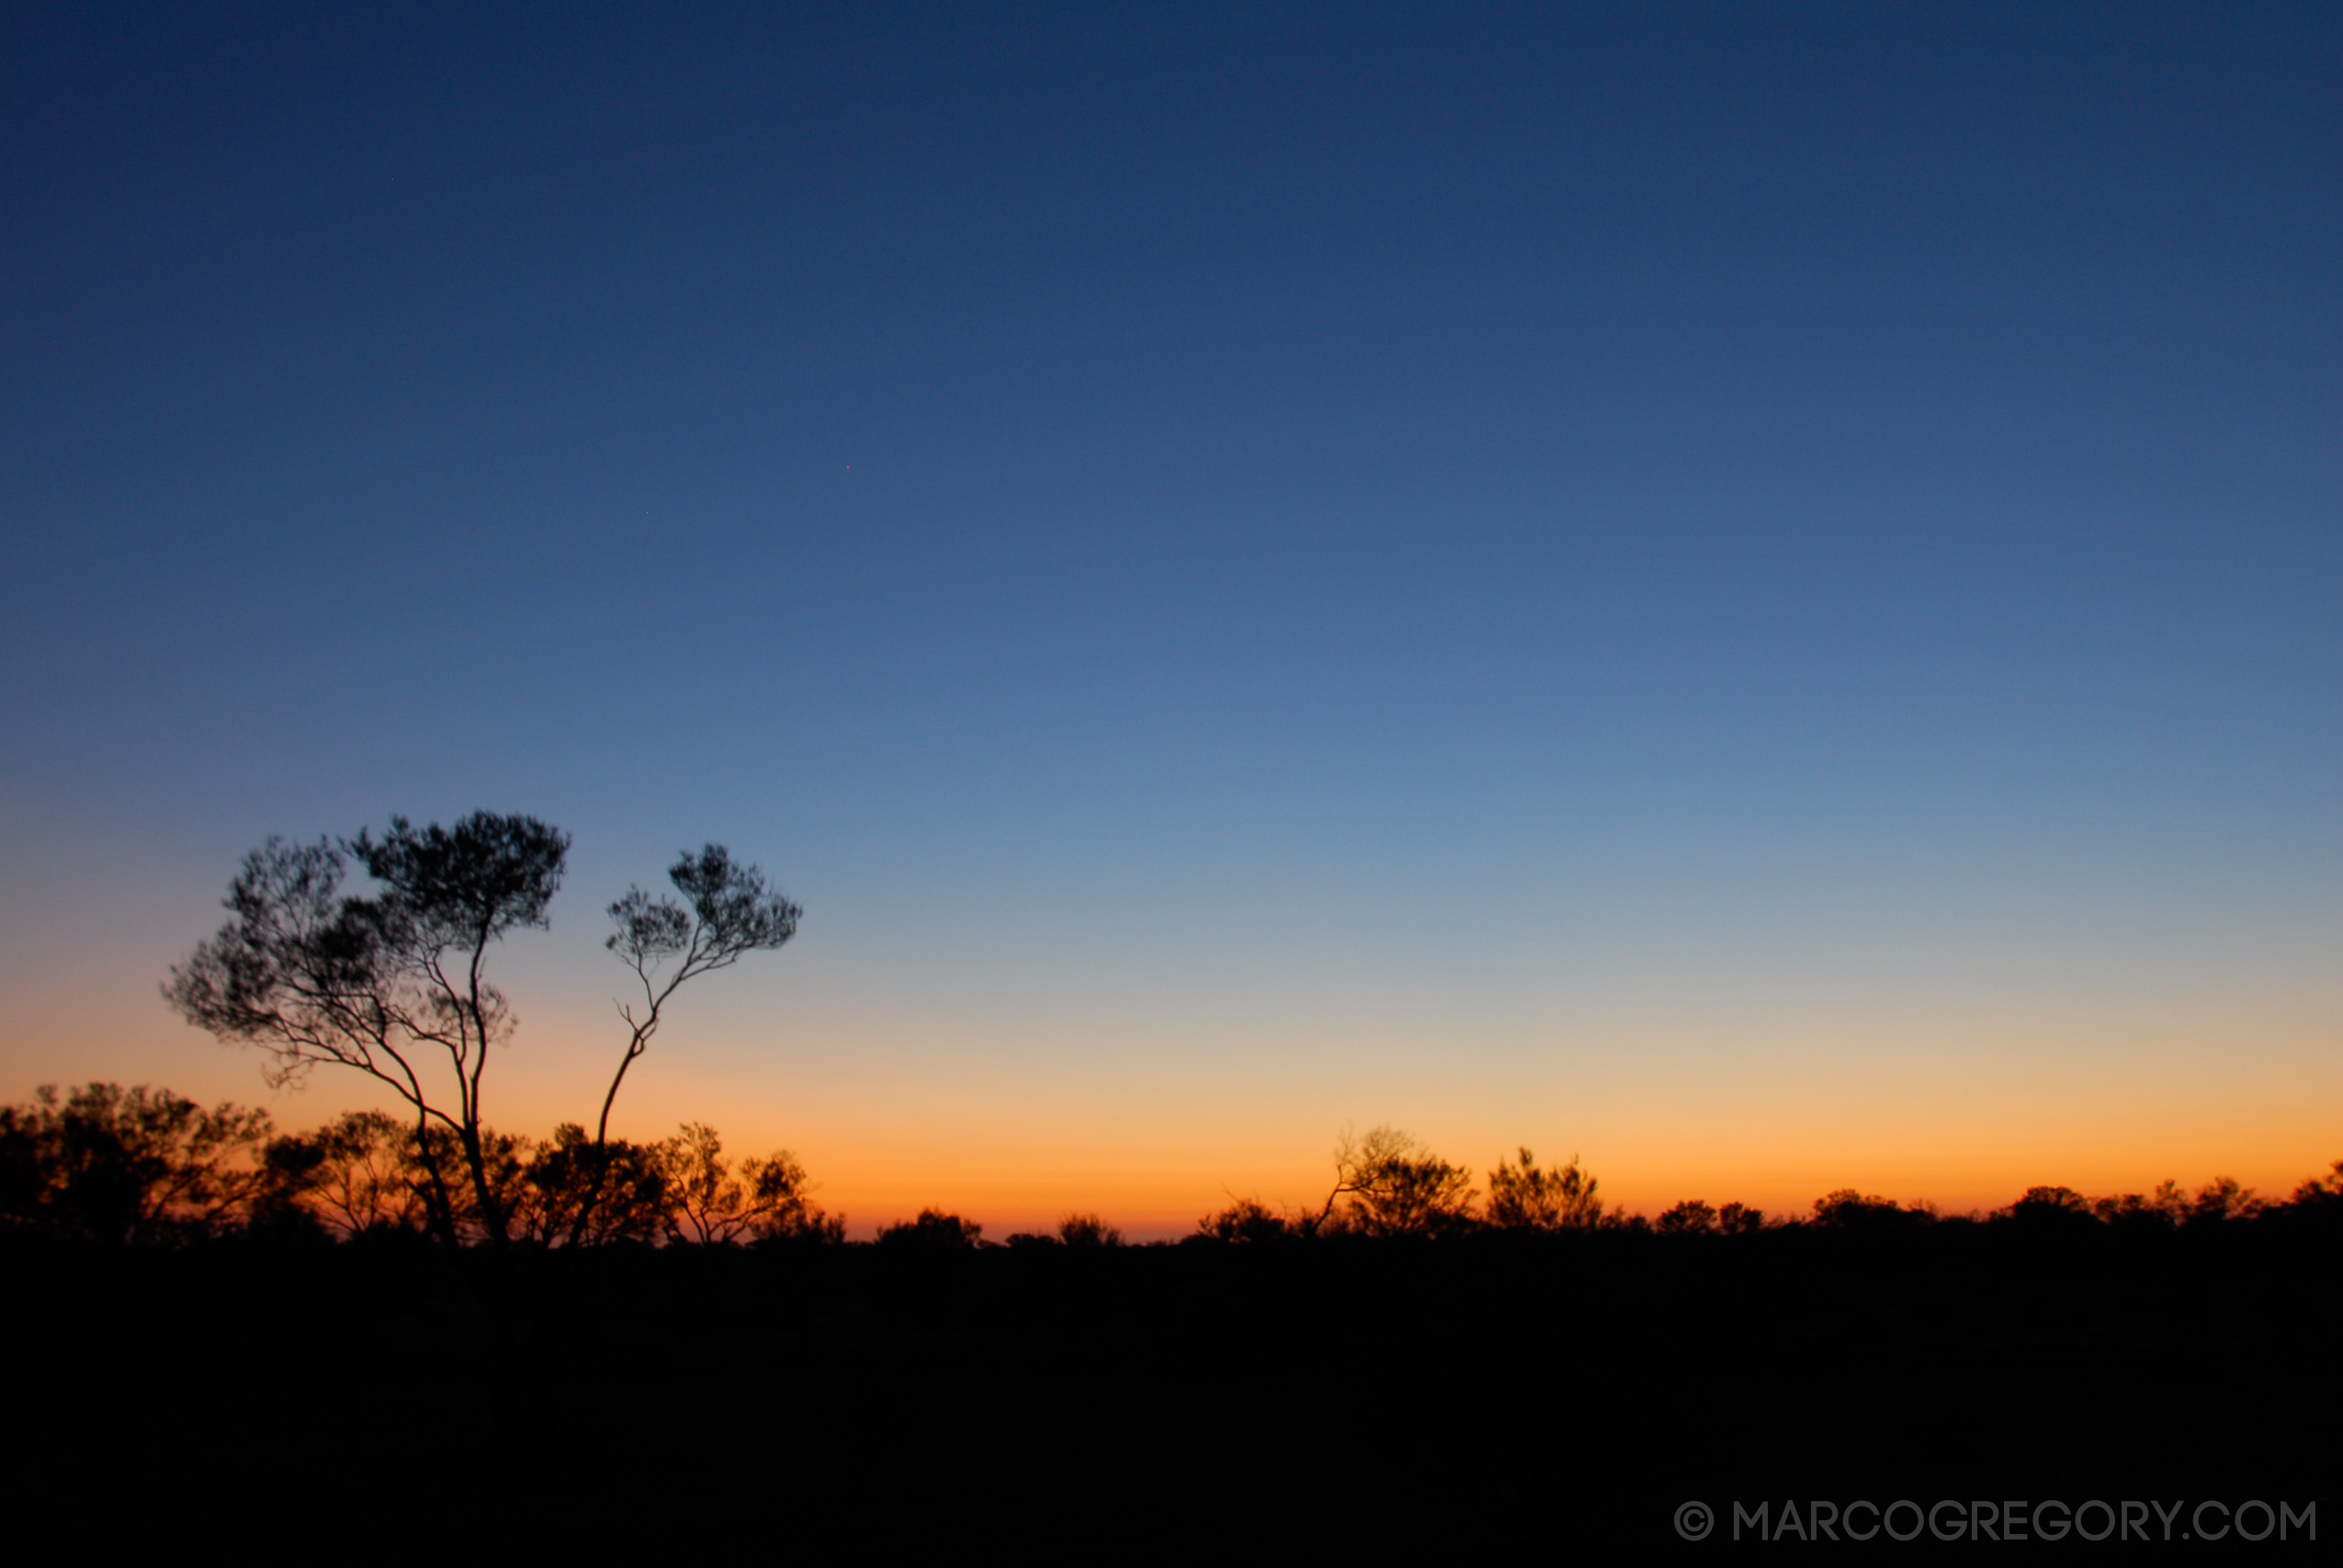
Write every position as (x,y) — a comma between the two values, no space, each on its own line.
(728,913)
(1397,1186)
(386,985)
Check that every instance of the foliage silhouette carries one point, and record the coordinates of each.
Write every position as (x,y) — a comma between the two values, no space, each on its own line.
(2316,1191)
(1088,1230)
(385,985)
(355,1174)
(1395,1187)
(708,1205)
(1764,1359)
(1246,1220)
(728,913)
(390,983)
(1849,1210)
(587,1194)
(1524,1197)
(145,1167)
(2046,1207)
(1693,1216)
(2163,1208)
(129,1166)
(934,1231)
(2220,1200)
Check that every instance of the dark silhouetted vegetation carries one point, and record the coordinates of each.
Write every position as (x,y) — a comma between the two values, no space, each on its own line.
(160,1252)
(142,1166)
(394,985)
(386,985)
(1088,1230)
(728,913)
(932,1231)
(1524,1197)
(145,1166)
(713,1325)
(134,1165)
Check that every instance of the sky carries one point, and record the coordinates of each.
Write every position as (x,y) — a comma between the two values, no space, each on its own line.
(1750,594)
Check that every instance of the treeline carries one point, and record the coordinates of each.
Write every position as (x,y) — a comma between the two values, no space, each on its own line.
(144,1167)
(1389,1184)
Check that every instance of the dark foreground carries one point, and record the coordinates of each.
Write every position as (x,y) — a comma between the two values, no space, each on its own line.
(1339,1397)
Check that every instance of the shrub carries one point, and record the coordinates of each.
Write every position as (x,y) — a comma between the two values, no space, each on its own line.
(130,1165)
(1692,1216)
(1088,1230)
(1246,1219)
(1397,1187)
(934,1231)
(1524,1197)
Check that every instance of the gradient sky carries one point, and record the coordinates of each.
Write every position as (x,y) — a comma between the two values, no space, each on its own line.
(1752,592)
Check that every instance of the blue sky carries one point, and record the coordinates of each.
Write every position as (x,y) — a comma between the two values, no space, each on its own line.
(1433,556)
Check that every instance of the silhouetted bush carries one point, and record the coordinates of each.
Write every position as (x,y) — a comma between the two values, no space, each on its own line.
(578,1192)
(1246,1220)
(129,1166)
(769,1200)
(1395,1187)
(2321,1192)
(934,1231)
(1848,1210)
(683,1190)
(143,1165)
(2050,1207)
(2222,1200)
(355,1174)
(2160,1210)
(1088,1230)
(1524,1197)
(1690,1217)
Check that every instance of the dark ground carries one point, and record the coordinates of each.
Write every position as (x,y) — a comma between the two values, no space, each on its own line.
(1558,1396)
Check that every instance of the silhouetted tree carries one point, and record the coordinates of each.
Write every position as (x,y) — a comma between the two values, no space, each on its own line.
(584,1194)
(1397,1187)
(130,1165)
(497,1200)
(356,1173)
(2041,1206)
(1525,1196)
(1848,1210)
(729,913)
(708,1204)
(934,1231)
(1088,1230)
(383,985)
(1246,1219)
(1692,1216)
(1735,1218)
(2317,1190)
(2162,1209)
(2221,1198)
(2058,1199)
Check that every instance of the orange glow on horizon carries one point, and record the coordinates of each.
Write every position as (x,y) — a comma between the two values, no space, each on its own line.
(1154,1127)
